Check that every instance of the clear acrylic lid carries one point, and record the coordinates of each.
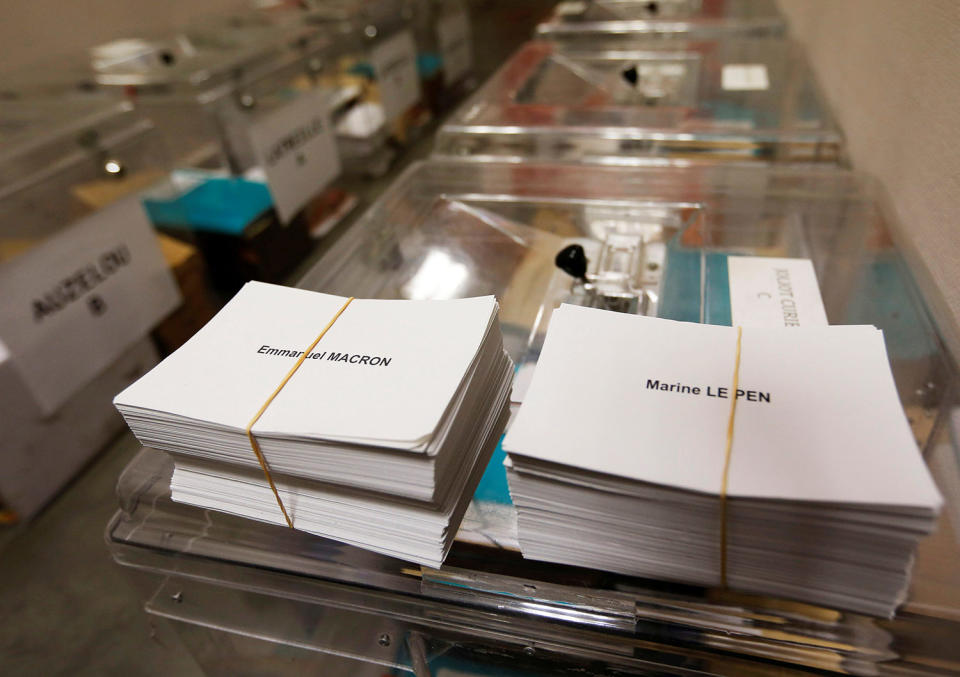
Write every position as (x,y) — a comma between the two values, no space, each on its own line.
(205,84)
(178,75)
(449,229)
(60,160)
(452,229)
(662,19)
(740,100)
(211,52)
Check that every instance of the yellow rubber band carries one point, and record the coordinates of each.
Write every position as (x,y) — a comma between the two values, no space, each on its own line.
(726,463)
(253,442)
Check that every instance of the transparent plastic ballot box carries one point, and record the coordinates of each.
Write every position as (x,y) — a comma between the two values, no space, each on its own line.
(366,146)
(203,85)
(750,100)
(181,76)
(580,22)
(244,593)
(253,128)
(207,88)
(83,284)
(440,31)
(380,62)
(445,59)
(63,160)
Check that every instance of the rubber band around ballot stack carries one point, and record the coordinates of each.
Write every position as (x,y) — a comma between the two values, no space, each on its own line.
(728,452)
(254,445)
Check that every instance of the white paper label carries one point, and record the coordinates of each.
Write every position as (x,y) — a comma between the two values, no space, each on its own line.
(395,65)
(73,303)
(453,34)
(774,292)
(744,77)
(296,148)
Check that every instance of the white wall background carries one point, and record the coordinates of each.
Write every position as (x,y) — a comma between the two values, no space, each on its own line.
(33,30)
(891,70)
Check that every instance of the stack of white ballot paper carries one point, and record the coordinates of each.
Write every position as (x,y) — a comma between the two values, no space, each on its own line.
(378,439)
(617,457)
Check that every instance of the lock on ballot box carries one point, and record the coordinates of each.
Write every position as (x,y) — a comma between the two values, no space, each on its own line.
(653,240)
(84,283)
(609,102)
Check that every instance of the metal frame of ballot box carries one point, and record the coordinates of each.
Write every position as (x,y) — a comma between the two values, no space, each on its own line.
(662,19)
(268,598)
(606,102)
